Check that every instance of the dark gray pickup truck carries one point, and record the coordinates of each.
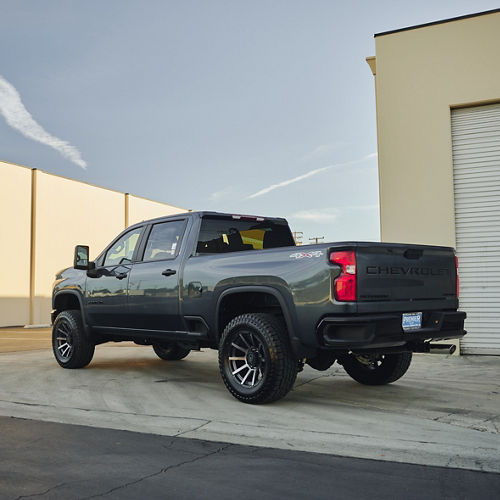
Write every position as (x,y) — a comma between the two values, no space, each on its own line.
(239,284)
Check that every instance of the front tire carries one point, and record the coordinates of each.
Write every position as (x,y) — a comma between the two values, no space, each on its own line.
(71,347)
(170,352)
(376,369)
(255,359)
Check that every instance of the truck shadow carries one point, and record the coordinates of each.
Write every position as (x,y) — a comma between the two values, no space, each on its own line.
(326,393)
(154,370)
(324,389)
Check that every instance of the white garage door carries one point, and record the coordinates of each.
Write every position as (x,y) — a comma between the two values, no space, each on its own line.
(476,170)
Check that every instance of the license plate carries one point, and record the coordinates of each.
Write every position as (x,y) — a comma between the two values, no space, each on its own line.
(412,321)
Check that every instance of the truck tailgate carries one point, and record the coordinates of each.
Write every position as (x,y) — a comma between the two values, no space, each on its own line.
(395,272)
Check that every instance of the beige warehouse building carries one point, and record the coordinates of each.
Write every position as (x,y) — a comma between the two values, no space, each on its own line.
(42,218)
(438,120)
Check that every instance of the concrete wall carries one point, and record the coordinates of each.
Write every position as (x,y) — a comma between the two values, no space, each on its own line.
(140,209)
(42,218)
(69,213)
(420,75)
(15,243)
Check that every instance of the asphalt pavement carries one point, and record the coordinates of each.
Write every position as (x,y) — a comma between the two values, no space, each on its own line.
(61,461)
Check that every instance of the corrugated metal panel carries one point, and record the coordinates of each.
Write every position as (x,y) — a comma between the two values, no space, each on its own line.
(476,172)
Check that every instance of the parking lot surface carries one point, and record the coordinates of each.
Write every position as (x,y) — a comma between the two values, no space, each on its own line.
(444,412)
(24,339)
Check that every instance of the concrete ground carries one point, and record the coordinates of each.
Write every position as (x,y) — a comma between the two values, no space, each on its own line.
(24,339)
(444,412)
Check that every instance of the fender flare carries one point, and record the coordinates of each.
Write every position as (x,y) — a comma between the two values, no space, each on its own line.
(80,302)
(287,314)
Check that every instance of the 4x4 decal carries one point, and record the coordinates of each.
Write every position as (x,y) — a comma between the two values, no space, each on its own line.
(308,255)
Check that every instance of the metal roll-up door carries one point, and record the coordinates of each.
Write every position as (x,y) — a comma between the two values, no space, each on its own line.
(476,172)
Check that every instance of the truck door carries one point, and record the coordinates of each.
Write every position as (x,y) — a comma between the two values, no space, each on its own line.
(106,292)
(153,287)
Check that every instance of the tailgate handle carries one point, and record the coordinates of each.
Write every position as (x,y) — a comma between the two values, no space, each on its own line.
(412,253)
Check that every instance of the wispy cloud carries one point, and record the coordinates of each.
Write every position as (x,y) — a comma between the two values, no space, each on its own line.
(329,214)
(322,150)
(317,215)
(367,208)
(224,193)
(19,118)
(309,174)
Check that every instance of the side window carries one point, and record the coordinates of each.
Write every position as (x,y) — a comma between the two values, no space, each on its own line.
(163,241)
(123,250)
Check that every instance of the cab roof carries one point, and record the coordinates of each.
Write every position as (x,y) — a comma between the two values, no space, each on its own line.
(206,213)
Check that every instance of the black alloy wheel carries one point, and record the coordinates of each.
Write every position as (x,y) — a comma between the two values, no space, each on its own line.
(70,344)
(247,359)
(64,341)
(255,359)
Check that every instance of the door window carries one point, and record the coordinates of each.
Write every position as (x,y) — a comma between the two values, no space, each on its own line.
(164,240)
(123,250)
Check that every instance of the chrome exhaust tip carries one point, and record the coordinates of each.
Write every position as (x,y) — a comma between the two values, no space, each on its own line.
(441,348)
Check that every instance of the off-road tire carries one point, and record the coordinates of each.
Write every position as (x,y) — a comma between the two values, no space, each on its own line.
(71,346)
(171,351)
(384,370)
(268,355)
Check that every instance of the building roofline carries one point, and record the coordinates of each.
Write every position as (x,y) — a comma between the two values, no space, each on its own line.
(408,28)
(89,184)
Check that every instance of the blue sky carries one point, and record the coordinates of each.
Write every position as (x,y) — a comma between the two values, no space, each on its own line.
(262,107)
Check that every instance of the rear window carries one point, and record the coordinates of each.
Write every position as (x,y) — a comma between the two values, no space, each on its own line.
(163,240)
(225,234)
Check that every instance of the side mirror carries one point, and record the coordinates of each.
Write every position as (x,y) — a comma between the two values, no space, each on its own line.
(81,259)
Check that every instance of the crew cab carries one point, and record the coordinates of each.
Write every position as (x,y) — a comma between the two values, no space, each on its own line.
(238,284)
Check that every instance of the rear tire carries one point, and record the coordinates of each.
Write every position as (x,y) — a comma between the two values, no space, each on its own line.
(171,351)
(70,344)
(322,361)
(376,369)
(255,359)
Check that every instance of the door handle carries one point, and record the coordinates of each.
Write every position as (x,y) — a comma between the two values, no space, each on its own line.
(169,272)
(120,276)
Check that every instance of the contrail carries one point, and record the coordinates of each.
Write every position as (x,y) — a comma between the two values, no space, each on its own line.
(308,174)
(19,118)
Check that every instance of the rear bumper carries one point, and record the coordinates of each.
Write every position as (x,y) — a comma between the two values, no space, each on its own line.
(385,330)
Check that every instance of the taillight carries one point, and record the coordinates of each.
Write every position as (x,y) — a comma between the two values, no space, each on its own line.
(458,280)
(345,284)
